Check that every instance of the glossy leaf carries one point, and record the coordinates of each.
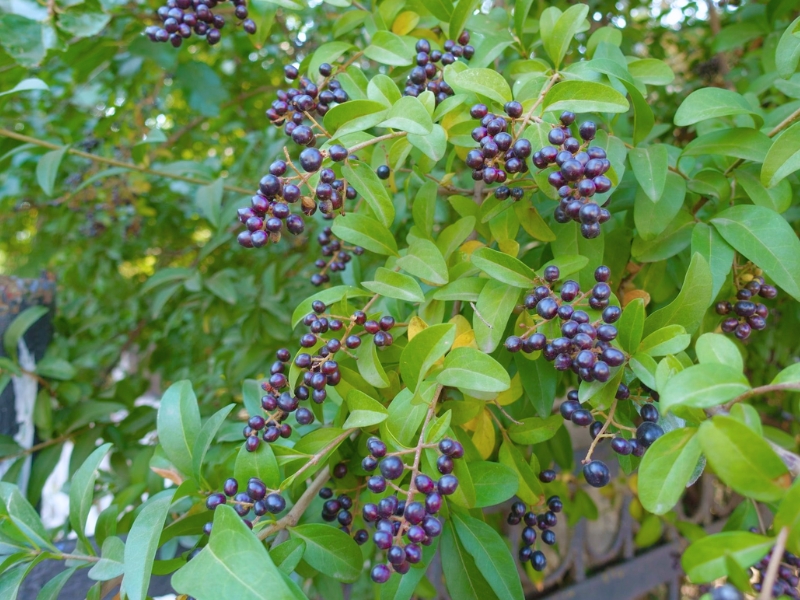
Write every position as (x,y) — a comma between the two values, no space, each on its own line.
(330,551)
(704,386)
(649,165)
(364,411)
(692,301)
(425,349)
(471,369)
(81,491)
(179,424)
(365,232)
(142,543)
(667,468)
(369,187)
(424,260)
(503,267)
(392,284)
(709,103)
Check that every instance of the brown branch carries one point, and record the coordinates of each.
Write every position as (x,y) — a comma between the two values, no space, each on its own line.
(774,563)
(293,516)
(764,389)
(319,455)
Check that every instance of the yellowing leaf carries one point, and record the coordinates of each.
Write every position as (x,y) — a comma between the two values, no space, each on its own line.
(415,325)
(484,436)
(512,394)
(470,246)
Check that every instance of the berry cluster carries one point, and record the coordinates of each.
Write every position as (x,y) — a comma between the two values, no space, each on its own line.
(340,508)
(584,346)
(750,315)
(181,18)
(500,155)
(401,527)
(427,75)
(544,521)
(257,498)
(269,209)
(580,175)
(596,472)
(787,580)
(294,106)
(336,254)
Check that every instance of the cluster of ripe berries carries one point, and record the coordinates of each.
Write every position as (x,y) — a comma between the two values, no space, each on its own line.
(596,472)
(544,521)
(787,580)
(750,315)
(580,174)
(339,509)
(269,209)
(583,346)
(181,18)
(401,527)
(427,76)
(256,498)
(336,254)
(293,107)
(500,155)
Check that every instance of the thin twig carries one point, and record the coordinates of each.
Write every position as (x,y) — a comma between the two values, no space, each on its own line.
(293,516)
(117,163)
(774,563)
(599,435)
(322,453)
(764,389)
(376,140)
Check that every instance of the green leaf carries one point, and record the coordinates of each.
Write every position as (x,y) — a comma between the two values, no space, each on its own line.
(783,157)
(27,521)
(52,589)
(494,483)
(788,375)
(454,235)
(408,114)
(354,116)
(643,118)
(667,468)
(711,103)
(111,563)
(467,289)
(743,460)
(55,368)
(392,284)
(503,268)
(535,430)
(652,218)
(631,325)
(787,52)
(788,515)
(716,348)
(491,556)
(85,20)
(650,166)
(704,386)
(464,580)
(484,82)
(142,543)
(31,83)
(367,184)
(369,365)
(718,254)
(261,464)
(81,491)
(326,53)
(692,301)
(651,71)
(472,370)
(556,40)
(25,40)
(21,323)
(178,424)
(424,260)
(584,96)
(330,551)
(424,349)
(461,13)
(433,145)
(495,303)
(288,555)
(777,198)
(365,232)
(667,340)
(209,201)
(206,437)
(234,564)
(704,560)
(389,49)
(539,380)
(739,142)
(364,411)
(765,238)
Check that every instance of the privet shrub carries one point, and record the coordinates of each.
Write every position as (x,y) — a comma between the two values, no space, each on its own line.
(471,225)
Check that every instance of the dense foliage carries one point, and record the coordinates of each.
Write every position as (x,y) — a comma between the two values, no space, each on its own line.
(375,256)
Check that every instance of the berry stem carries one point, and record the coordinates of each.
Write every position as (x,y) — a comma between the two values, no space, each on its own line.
(774,563)
(412,485)
(503,410)
(529,115)
(319,455)
(293,516)
(602,431)
(117,163)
